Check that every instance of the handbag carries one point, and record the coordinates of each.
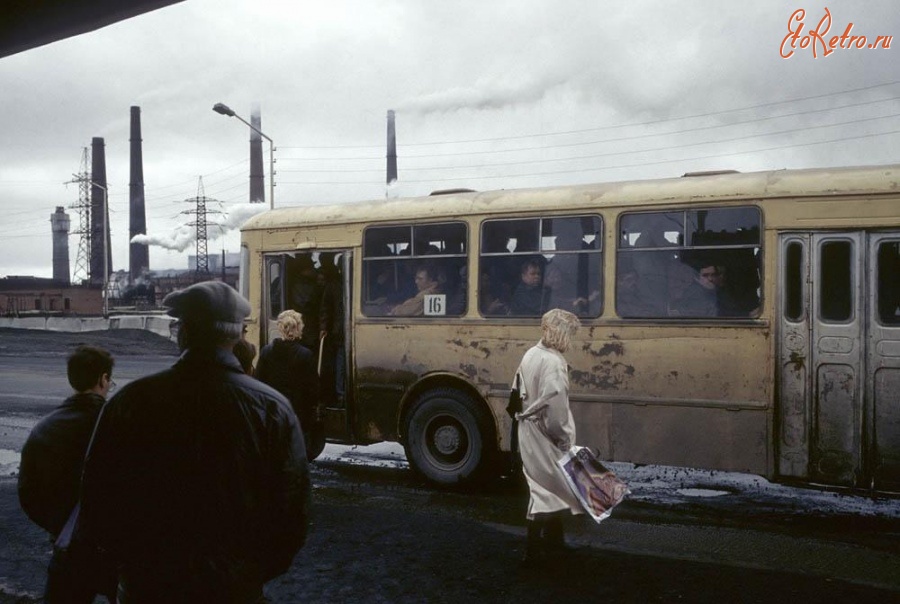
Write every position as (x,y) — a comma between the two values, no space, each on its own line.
(515,400)
(597,488)
(514,406)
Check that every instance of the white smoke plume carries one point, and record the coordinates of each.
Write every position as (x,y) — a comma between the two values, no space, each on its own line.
(240,213)
(178,240)
(184,236)
(484,95)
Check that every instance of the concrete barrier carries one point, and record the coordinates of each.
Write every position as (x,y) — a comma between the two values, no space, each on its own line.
(158,324)
(127,322)
(28,323)
(64,324)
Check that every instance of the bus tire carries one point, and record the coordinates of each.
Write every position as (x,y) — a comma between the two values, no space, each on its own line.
(315,441)
(449,438)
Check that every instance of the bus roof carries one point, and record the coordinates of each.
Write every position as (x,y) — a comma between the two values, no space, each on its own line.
(866,180)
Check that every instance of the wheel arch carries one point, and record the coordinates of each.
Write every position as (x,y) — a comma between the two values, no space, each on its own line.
(442,380)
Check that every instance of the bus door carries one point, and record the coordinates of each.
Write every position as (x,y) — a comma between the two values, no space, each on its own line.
(839,359)
(883,359)
(335,369)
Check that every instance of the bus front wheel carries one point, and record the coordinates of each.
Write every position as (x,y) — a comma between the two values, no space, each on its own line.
(449,437)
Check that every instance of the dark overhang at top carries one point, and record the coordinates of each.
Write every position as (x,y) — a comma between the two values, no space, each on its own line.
(27,24)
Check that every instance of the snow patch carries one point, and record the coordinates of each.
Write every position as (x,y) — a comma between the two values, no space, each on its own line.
(700,492)
(381,455)
(9,462)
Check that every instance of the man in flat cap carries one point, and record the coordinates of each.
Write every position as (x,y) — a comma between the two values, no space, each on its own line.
(196,480)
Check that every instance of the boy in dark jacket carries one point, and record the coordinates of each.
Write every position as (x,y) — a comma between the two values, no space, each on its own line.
(50,479)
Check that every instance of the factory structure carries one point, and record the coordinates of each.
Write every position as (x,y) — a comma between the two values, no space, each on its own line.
(96,285)
(91,284)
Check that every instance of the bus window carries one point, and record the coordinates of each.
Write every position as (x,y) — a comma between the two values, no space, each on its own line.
(415,270)
(723,226)
(651,230)
(793,282)
(836,282)
(694,264)
(528,266)
(889,283)
(275,289)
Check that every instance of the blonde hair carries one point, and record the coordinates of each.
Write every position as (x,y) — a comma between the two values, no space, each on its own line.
(557,328)
(290,324)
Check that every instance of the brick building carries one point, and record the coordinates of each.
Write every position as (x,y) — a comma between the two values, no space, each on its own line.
(36,295)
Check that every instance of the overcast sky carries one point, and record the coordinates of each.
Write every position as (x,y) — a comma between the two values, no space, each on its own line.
(488,94)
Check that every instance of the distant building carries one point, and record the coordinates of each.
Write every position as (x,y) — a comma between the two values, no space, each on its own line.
(39,296)
(214,262)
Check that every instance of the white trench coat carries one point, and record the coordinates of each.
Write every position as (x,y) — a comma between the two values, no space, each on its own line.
(546,430)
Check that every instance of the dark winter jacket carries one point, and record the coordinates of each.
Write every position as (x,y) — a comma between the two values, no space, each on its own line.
(331,313)
(197,482)
(52,459)
(288,367)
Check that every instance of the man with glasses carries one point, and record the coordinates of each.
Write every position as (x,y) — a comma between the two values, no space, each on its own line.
(700,298)
(708,296)
(50,478)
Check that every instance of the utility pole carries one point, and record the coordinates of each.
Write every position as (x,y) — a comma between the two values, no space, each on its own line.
(83,207)
(200,211)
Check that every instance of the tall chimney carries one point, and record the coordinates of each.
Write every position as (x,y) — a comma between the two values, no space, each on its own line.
(391,148)
(138,253)
(59,224)
(99,218)
(257,176)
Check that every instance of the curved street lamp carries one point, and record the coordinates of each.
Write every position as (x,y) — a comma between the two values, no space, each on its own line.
(228,111)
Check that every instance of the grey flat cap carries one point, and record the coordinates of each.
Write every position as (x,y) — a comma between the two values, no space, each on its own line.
(212,301)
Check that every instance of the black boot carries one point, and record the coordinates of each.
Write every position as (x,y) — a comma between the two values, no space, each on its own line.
(554,535)
(533,550)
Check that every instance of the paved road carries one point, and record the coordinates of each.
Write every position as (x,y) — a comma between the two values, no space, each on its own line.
(30,387)
(379,536)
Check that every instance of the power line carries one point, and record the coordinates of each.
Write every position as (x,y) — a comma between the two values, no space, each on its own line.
(609,167)
(632,124)
(607,154)
(592,142)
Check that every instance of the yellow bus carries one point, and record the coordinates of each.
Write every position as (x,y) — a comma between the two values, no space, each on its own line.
(745,322)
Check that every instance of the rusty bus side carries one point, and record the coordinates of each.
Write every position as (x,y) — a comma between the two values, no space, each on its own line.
(725,394)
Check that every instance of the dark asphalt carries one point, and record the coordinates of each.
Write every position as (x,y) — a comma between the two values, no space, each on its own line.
(378,536)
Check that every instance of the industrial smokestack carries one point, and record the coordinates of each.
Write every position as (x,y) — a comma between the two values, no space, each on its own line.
(391,148)
(99,217)
(139,253)
(59,224)
(257,176)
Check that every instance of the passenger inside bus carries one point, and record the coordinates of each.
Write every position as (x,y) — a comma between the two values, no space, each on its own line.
(426,282)
(699,298)
(491,300)
(708,295)
(456,289)
(567,275)
(528,298)
(629,302)
(331,331)
(305,298)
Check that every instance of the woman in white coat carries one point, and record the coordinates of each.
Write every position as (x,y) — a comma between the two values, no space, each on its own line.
(546,432)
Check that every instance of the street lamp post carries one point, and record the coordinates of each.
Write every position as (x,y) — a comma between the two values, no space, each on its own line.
(226,110)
